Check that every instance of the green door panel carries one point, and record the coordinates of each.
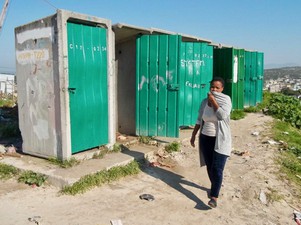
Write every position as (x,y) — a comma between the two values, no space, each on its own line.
(260,72)
(250,78)
(196,70)
(229,64)
(241,76)
(87,61)
(157,85)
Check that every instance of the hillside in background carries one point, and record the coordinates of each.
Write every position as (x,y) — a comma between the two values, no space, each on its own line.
(291,72)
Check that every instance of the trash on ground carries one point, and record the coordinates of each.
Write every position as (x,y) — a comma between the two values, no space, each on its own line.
(116,222)
(263,197)
(297,217)
(271,142)
(36,219)
(255,133)
(244,153)
(147,197)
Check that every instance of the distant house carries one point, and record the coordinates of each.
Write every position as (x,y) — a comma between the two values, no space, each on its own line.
(7,83)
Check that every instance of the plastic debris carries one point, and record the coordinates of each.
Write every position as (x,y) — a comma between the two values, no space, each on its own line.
(262,197)
(147,197)
(116,222)
(297,217)
(36,219)
(256,133)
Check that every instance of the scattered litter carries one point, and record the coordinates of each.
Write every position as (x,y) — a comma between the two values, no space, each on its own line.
(298,176)
(116,222)
(244,153)
(36,219)
(271,142)
(285,132)
(10,149)
(263,197)
(256,133)
(147,197)
(121,137)
(154,164)
(297,217)
(153,142)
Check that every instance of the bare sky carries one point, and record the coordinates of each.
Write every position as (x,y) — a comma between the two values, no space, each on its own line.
(269,26)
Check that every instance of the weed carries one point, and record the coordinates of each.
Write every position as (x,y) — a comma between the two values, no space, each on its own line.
(32,178)
(285,108)
(237,114)
(65,163)
(7,171)
(99,155)
(172,147)
(273,195)
(4,102)
(105,150)
(288,158)
(144,139)
(116,148)
(102,177)
(251,109)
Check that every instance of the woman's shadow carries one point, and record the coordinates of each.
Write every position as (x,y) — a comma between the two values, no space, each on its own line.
(174,180)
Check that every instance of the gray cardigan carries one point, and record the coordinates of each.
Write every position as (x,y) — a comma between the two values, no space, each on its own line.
(223,143)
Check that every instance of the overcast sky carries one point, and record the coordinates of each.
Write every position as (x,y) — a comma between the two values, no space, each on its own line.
(269,26)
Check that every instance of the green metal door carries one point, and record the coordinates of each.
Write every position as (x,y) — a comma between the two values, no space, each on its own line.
(259,81)
(87,60)
(229,64)
(250,78)
(196,70)
(157,85)
(240,81)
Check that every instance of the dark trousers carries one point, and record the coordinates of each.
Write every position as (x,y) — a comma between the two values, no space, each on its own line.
(215,163)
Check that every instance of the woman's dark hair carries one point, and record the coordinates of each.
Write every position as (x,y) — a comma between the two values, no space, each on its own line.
(218,79)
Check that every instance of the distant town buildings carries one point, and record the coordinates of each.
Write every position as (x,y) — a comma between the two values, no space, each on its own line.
(282,83)
(7,83)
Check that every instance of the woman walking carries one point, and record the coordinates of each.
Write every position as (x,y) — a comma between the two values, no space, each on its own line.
(215,135)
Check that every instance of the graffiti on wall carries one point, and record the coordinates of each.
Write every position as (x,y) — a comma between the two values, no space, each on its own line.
(156,81)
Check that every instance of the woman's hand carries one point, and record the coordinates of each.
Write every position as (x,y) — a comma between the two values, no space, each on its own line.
(212,101)
(192,140)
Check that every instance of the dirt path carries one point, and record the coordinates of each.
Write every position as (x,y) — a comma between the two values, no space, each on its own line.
(180,193)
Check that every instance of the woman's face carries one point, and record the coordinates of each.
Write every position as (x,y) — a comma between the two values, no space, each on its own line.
(216,86)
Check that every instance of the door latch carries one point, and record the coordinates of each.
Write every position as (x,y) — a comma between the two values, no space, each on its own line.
(173,87)
(72,90)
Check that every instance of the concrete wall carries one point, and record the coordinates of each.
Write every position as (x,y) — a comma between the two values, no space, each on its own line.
(42,75)
(125,54)
(36,59)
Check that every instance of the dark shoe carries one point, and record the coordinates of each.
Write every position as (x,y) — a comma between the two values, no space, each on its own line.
(212,203)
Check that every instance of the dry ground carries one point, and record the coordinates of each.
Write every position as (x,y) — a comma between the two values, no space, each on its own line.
(180,193)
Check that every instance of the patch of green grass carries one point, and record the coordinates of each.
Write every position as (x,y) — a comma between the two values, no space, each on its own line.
(64,163)
(273,195)
(103,177)
(99,155)
(289,158)
(237,114)
(252,109)
(8,171)
(7,102)
(144,139)
(32,178)
(116,148)
(105,150)
(172,147)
